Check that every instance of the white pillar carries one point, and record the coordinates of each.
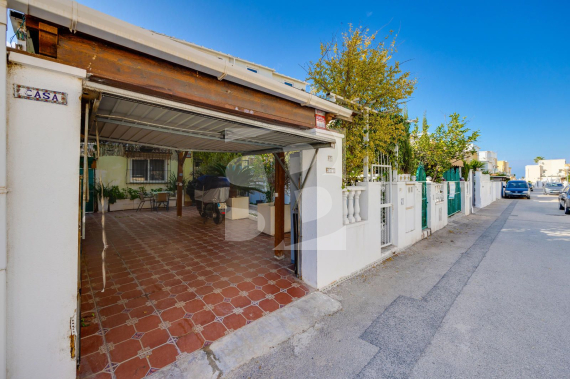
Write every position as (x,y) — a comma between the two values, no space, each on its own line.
(357,206)
(323,230)
(3,190)
(351,207)
(42,217)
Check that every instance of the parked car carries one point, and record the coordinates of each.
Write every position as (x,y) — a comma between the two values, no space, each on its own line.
(531,187)
(517,188)
(564,200)
(553,188)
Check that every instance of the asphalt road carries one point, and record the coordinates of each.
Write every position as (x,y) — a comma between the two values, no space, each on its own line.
(486,297)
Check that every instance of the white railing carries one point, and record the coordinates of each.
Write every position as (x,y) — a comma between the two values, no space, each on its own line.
(351,204)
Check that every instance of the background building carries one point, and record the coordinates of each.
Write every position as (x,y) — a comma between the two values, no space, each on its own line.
(489,158)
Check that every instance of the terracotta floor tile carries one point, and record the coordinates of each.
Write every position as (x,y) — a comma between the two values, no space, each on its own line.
(112,310)
(90,344)
(135,368)
(283,298)
(89,329)
(213,331)
(296,292)
(203,317)
(194,306)
(190,342)
(141,312)
(92,363)
(213,298)
(125,350)
(115,320)
(256,295)
(181,327)
(135,303)
(172,314)
(270,289)
(246,286)
(155,338)
(269,305)
(223,309)
(234,321)
(165,303)
(253,312)
(230,292)
(160,295)
(162,356)
(119,334)
(204,290)
(147,323)
(186,296)
(259,281)
(240,301)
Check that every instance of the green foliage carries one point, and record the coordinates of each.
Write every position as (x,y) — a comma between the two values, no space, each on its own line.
(173,183)
(537,159)
(360,69)
(486,172)
(210,159)
(240,177)
(132,193)
(447,144)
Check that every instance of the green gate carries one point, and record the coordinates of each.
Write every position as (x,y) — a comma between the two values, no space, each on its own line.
(453,180)
(90,204)
(421,177)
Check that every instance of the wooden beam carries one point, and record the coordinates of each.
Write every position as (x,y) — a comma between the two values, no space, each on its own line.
(179,193)
(279,207)
(121,67)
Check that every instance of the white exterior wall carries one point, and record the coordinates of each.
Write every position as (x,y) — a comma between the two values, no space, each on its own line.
(552,169)
(533,173)
(406,213)
(483,190)
(437,205)
(42,215)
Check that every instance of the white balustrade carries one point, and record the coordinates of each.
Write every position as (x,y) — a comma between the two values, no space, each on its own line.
(351,204)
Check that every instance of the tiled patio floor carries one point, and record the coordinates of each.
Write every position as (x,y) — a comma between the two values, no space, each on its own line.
(173,286)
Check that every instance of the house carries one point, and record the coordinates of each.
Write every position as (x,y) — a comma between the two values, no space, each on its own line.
(547,170)
(80,77)
(503,166)
(533,173)
(489,158)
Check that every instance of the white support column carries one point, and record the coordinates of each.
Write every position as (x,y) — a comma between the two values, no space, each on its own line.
(357,217)
(351,207)
(3,191)
(43,230)
(323,231)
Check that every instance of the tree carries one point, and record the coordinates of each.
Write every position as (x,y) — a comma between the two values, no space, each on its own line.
(537,159)
(447,144)
(360,70)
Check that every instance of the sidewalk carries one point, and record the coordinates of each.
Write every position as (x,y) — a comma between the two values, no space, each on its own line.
(334,347)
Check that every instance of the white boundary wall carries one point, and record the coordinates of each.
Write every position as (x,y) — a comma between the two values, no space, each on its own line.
(437,205)
(42,216)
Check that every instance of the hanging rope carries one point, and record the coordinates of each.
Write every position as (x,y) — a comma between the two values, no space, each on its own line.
(103,253)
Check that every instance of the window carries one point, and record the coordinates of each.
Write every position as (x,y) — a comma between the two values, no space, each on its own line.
(148,170)
(252,70)
(288,84)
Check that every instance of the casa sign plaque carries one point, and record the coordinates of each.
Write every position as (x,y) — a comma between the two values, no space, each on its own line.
(40,94)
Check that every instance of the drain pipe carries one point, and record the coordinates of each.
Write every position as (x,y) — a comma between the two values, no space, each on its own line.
(3,189)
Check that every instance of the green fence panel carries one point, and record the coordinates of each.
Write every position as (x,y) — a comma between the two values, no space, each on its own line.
(453,179)
(421,177)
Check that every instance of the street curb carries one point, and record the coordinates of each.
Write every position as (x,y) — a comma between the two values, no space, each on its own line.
(251,341)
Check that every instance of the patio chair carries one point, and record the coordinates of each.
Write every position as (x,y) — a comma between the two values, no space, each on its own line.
(162,198)
(143,199)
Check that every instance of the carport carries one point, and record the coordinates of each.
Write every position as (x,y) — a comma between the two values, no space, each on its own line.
(175,284)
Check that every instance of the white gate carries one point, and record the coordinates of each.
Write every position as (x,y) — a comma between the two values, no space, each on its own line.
(382,172)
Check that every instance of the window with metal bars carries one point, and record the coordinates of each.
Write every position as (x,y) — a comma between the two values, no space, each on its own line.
(148,170)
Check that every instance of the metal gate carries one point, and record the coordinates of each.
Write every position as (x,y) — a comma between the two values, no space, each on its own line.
(382,172)
(421,177)
(453,179)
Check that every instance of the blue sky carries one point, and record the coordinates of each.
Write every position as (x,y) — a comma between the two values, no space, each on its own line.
(503,64)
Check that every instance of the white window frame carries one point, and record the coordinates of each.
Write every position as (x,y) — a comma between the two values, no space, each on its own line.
(132,180)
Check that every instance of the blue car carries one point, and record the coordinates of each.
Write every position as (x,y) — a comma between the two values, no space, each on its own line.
(517,188)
